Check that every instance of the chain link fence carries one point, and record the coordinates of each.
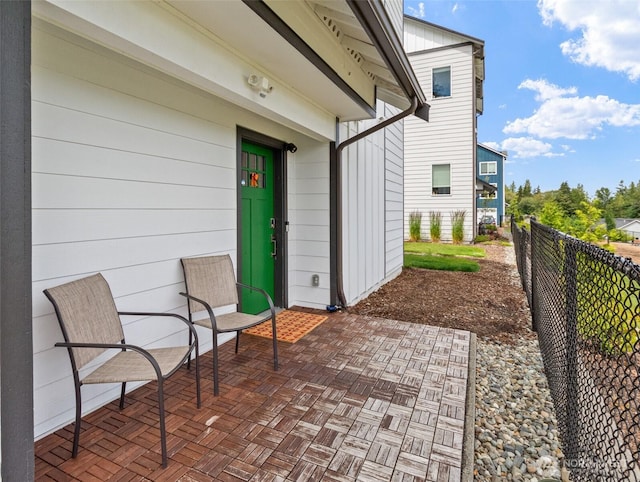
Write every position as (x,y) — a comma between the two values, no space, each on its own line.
(585,305)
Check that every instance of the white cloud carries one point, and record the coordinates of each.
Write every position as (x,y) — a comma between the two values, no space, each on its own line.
(493,145)
(416,12)
(564,114)
(609,33)
(545,90)
(524,147)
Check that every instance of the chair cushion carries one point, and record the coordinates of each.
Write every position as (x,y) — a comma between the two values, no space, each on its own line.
(234,321)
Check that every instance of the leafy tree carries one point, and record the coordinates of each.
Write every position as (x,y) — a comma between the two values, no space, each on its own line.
(529,205)
(551,215)
(609,221)
(585,223)
(563,198)
(603,198)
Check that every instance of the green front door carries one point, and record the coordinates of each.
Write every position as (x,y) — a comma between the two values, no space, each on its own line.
(258,233)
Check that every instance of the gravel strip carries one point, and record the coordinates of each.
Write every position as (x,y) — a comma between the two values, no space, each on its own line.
(515,432)
(516,438)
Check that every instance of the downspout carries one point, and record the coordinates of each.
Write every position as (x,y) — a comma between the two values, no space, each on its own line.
(341,299)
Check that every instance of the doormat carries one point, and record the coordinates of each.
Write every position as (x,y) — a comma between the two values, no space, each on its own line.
(290,325)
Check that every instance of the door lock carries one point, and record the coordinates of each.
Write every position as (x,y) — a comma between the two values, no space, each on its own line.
(274,246)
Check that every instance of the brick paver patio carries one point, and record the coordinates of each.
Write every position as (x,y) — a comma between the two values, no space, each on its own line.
(358,398)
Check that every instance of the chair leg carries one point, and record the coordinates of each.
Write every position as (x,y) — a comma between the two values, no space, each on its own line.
(122,390)
(197,362)
(189,359)
(216,387)
(163,435)
(238,340)
(275,343)
(76,431)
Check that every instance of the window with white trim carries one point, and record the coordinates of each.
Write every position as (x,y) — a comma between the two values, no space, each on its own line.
(441,82)
(440,179)
(488,168)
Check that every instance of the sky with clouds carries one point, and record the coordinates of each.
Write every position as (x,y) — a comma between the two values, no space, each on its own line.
(562,86)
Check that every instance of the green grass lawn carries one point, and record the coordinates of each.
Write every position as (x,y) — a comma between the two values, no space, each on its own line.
(448,257)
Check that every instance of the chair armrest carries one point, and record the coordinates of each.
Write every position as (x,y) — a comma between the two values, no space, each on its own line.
(260,290)
(173,315)
(117,346)
(212,317)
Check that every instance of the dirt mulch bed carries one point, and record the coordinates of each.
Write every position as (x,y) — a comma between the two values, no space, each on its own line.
(490,303)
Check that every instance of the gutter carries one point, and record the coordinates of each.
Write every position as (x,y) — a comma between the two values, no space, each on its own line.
(375,20)
(338,298)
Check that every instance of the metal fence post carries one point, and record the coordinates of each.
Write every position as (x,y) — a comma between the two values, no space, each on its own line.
(533,282)
(572,442)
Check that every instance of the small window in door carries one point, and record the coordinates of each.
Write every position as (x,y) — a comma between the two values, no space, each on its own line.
(253,171)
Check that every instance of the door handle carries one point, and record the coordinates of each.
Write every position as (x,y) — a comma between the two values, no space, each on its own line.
(274,246)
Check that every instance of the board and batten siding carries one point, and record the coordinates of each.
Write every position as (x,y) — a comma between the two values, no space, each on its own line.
(372,206)
(448,138)
(419,36)
(394,9)
(133,170)
(394,194)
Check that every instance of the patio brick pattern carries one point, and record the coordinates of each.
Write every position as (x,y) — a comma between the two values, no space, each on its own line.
(358,398)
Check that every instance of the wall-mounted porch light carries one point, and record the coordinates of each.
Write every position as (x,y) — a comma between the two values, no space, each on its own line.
(260,84)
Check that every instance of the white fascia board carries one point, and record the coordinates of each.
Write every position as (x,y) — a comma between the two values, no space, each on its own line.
(309,27)
(155,36)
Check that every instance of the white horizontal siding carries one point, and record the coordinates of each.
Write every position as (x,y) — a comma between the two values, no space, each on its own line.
(448,138)
(133,170)
(308,206)
(122,185)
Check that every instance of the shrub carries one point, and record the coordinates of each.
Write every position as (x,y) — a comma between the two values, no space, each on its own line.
(482,238)
(435,225)
(607,311)
(457,226)
(415,225)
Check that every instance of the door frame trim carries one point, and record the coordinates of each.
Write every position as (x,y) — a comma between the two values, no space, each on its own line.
(279,207)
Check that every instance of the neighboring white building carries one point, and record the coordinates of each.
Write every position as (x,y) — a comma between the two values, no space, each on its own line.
(630,226)
(150,118)
(440,158)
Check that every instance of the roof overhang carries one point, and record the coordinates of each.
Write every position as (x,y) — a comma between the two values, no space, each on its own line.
(329,59)
(352,43)
(484,187)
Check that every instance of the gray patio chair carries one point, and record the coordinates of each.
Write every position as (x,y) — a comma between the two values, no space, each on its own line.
(210,283)
(91,325)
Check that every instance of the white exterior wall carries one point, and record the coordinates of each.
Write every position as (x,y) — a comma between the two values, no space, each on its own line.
(448,138)
(394,9)
(134,167)
(372,200)
(419,36)
(132,171)
(309,231)
(394,195)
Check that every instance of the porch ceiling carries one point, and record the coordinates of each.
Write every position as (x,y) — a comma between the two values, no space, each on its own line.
(332,31)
